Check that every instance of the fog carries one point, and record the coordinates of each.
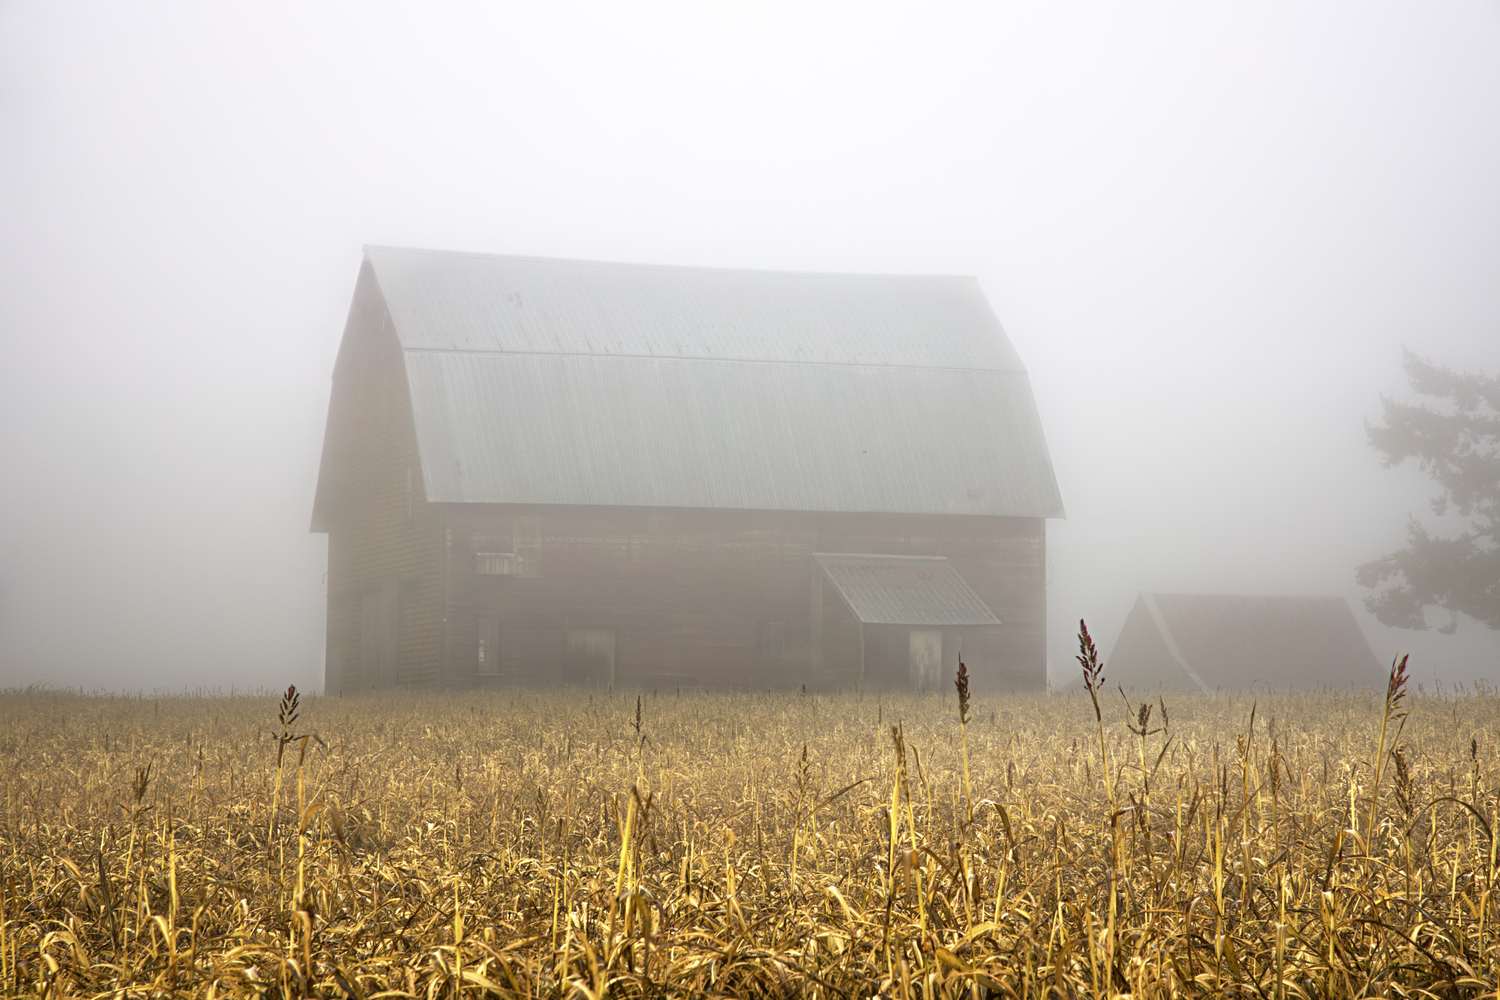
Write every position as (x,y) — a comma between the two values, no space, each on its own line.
(1207,231)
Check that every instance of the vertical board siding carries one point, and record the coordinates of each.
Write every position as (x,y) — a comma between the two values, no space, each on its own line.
(380,532)
(841,648)
(687,594)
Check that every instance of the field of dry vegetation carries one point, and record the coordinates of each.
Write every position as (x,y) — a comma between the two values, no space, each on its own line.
(666,843)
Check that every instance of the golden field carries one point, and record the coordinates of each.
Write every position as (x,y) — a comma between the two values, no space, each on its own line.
(666,843)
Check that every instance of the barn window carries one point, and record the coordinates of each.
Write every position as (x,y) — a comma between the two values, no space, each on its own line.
(514,554)
(495,563)
(488,658)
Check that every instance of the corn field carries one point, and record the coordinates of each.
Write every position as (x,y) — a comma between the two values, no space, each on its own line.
(773,844)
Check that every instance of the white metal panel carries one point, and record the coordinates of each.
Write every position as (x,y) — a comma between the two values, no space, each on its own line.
(503,428)
(904,590)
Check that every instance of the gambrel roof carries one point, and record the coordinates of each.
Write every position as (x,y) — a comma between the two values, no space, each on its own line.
(537,381)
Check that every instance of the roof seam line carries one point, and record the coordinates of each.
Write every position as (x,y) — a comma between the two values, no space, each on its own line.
(691,358)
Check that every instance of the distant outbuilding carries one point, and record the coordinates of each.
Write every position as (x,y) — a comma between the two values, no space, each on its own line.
(1212,642)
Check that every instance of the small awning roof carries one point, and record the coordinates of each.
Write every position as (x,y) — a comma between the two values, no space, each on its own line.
(904,590)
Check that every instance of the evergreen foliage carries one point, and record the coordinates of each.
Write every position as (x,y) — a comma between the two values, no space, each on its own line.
(1457,443)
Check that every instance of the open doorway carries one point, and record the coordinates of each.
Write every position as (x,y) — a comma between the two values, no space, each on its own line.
(926,658)
(590,656)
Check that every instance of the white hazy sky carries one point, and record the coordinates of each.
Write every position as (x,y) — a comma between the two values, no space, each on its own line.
(1208,230)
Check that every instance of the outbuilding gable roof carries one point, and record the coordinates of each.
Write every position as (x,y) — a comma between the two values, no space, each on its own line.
(1207,642)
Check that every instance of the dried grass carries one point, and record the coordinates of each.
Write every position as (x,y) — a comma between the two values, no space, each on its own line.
(749,844)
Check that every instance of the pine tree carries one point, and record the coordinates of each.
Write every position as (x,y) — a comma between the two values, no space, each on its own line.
(1457,443)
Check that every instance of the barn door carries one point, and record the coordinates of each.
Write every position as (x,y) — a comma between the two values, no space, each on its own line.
(926,657)
(378,631)
(590,656)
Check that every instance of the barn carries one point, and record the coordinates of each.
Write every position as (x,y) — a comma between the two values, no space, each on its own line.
(1213,642)
(549,471)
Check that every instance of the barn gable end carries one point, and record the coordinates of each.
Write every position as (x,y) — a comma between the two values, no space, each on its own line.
(384,537)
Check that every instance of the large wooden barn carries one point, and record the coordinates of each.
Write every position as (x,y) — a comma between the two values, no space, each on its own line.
(555,471)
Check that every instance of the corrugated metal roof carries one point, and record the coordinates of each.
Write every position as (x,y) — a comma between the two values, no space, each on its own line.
(904,590)
(1223,641)
(570,382)
(506,428)
(529,305)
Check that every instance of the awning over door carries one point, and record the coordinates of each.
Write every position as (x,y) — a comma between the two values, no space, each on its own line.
(904,590)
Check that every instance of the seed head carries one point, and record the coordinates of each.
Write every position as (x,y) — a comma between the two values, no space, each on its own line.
(1093,670)
(289,703)
(1395,688)
(962,683)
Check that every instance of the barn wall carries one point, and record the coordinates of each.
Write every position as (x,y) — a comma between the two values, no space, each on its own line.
(719,597)
(843,641)
(383,538)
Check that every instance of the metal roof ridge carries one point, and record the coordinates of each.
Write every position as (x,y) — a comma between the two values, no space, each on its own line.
(884,556)
(693,357)
(672,267)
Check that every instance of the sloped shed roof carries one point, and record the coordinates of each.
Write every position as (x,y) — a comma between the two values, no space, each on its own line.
(574,382)
(1208,642)
(904,590)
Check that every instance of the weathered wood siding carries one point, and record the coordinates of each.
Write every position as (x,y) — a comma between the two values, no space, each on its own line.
(726,597)
(384,539)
